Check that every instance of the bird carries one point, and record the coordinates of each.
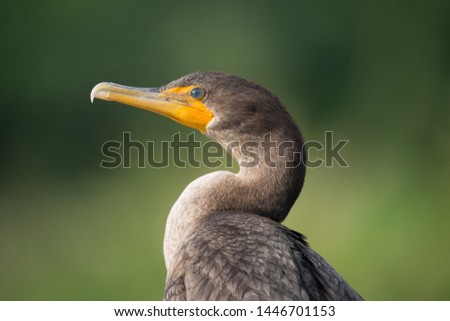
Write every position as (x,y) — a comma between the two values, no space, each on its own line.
(224,238)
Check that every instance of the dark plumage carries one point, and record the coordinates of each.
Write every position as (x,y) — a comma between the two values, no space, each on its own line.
(224,240)
(242,256)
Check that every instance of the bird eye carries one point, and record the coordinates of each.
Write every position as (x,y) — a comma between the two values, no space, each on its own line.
(197,93)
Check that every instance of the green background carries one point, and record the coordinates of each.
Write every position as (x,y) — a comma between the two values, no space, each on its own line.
(374,72)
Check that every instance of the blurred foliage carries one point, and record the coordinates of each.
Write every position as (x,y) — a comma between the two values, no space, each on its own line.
(374,72)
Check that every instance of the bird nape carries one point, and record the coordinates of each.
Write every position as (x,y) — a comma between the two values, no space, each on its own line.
(223,238)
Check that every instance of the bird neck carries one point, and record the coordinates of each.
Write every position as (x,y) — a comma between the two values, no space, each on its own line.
(269,181)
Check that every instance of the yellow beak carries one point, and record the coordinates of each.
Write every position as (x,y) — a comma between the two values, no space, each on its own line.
(175,103)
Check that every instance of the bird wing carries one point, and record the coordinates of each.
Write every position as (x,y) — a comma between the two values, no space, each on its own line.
(318,277)
(240,256)
(175,289)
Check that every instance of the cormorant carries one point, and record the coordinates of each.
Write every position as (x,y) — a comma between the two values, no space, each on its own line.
(223,238)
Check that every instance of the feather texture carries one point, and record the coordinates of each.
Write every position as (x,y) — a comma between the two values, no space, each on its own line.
(241,256)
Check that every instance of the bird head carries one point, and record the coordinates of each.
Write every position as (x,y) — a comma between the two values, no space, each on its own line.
(219,105)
